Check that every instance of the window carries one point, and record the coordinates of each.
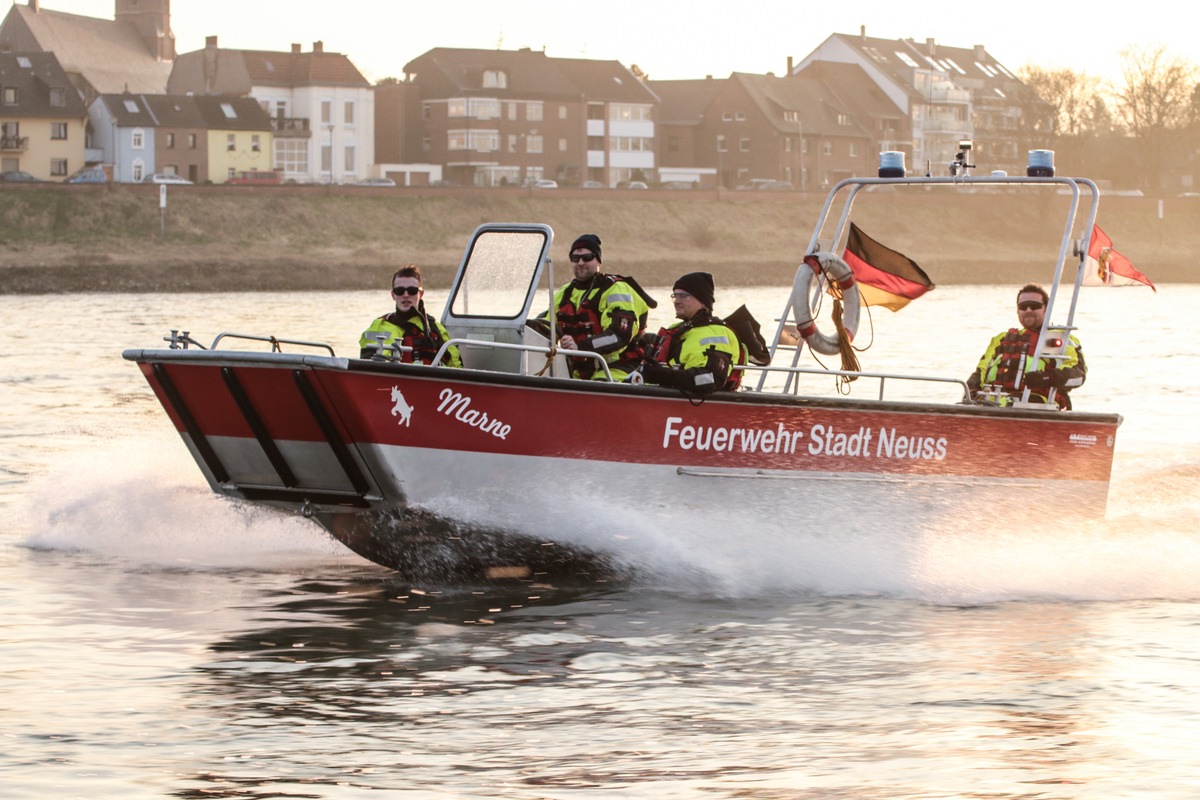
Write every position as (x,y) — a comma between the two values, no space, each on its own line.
(348,112)
(230,142)
(479,141)
(326,111)
(349,159)
(827,148)
(512,110)
(512,143)
(138,171)
(192,141)
(562,145)
(727,116)
(744,144)
(533,144)
(137,139)
(256,143)
(854,149)
(170,141)
(426,111)
(533,112)
(722,145)
(787,144)
(843,119)
(474,107)
(231,173)
(740,116)
(562,112)
(628,112)
(58,97)
(58,130)
(291,155)
(495,79)
(10,95)
(327,159)
(58,167)
(228,111)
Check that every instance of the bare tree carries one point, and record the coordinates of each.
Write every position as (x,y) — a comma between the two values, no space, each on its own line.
(1070,93)
(1155,101)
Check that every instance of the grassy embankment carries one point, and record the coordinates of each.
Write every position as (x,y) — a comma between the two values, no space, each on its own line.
(84,238)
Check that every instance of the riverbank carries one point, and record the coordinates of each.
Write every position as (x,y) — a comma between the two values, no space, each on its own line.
(117,238)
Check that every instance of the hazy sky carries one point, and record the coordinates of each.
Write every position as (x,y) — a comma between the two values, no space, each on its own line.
(673,40)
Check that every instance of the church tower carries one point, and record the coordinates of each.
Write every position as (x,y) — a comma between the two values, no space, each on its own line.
(152,19)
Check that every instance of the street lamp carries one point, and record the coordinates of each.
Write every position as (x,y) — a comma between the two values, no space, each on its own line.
(330,129)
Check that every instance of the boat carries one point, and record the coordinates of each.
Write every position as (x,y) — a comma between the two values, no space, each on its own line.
(499,470)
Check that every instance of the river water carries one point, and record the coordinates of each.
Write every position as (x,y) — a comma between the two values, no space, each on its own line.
(158,641)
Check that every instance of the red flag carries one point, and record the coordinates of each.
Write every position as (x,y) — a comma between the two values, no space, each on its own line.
(885,278)
(1107,267)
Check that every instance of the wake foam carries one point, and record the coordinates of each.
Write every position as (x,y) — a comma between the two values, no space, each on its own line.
(143,501)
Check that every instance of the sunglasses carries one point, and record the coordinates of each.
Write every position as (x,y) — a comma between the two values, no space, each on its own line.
(1030,306)
(581,257)
(399,290)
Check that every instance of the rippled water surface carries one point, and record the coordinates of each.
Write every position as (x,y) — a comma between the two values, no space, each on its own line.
(158,641)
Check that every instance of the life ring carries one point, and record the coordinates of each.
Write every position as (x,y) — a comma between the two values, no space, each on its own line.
(802,304)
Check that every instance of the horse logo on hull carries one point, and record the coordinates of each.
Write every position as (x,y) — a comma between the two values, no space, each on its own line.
(401,408)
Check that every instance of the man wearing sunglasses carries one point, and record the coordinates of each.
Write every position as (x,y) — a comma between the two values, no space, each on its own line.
(408,326)
(1008,363)
(600,313)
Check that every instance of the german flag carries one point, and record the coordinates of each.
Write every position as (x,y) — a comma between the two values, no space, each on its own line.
(885,278)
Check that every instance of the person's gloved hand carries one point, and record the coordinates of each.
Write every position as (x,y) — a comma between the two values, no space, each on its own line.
(1038,381)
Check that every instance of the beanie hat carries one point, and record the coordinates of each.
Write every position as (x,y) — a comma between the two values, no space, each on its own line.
(699,285)
(588,241)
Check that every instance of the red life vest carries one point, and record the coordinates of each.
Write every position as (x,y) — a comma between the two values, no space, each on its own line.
(424,343)
(1011,367)
(580,322)
(669,342)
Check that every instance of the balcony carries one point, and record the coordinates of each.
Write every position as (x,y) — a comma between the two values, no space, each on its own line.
(291,127)
(14,144)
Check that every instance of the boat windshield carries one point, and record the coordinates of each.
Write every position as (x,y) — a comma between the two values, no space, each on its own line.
(498,274)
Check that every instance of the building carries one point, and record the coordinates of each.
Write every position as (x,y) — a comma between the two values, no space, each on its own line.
(204,139)
(793,131)
(947,94)
(131,53)
(321,107)
(509,117)
(43,121)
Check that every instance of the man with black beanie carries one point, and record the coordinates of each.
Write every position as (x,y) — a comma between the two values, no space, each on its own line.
(697,354)
(600,313)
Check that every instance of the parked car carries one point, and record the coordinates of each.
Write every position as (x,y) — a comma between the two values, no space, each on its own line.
(678,185)
(376,182)
(89,175)
(266,177)
(632,185)
(592,185)
(442,184)
(18,176)
(165,177)
(545,183)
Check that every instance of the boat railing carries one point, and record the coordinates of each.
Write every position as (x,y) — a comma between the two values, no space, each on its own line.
(793,387)
(549,352)
(182,340)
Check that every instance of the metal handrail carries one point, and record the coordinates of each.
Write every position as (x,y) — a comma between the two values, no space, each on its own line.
(882,376)
(532,348)
(273,340)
